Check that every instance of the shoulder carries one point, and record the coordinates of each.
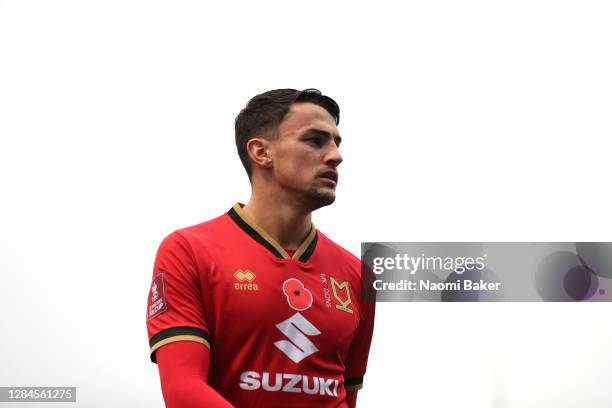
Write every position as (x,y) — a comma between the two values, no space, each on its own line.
(344,267)
(339,258)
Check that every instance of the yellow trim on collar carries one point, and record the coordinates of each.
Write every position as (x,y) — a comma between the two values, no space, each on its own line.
(301,249)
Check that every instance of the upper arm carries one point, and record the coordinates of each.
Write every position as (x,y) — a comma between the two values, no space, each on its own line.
(175,310)
(185,358)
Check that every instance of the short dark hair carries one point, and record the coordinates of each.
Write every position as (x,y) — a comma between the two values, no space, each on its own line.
(264,112)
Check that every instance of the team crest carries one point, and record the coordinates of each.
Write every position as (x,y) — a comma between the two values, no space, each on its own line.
(342,293)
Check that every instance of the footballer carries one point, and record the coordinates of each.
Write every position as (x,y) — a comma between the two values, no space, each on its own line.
(258,308)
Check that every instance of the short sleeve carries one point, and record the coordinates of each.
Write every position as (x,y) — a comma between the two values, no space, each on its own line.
(175,309)
(357,359)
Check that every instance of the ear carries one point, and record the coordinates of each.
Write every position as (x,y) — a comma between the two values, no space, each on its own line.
(259,151)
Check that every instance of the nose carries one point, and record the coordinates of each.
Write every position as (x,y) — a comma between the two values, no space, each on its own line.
(332,155)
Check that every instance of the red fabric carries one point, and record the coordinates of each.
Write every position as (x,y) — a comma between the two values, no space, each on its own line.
(183,370)
(351,399)
(227,287)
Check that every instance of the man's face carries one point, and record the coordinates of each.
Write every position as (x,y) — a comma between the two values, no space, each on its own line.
(305,155)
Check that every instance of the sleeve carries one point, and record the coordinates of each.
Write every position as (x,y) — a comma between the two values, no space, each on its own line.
(175,308)
(357,359)
(183,370)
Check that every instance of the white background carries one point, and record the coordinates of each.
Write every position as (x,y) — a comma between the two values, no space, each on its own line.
(461,121)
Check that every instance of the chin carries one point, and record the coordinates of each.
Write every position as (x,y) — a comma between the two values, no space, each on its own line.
(319,198)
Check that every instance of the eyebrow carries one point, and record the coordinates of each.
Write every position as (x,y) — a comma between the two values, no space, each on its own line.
(337,138)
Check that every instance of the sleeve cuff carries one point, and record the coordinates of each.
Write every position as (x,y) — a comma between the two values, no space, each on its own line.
(177,334)
(353,384)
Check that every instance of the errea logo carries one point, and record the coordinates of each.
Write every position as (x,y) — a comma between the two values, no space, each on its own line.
(244,280)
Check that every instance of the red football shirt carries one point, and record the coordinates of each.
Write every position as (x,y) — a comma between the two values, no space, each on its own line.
(282,331)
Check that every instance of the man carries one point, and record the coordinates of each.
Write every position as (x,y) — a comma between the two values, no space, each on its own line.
(256,308)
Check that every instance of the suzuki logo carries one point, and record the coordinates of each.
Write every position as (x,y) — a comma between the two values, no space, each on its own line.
(295,328)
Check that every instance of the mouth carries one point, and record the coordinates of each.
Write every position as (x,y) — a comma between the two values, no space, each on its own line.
(331,175)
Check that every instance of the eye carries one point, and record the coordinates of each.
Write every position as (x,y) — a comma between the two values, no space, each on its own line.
(315,141)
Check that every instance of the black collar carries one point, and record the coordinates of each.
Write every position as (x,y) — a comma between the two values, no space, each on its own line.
(302,254)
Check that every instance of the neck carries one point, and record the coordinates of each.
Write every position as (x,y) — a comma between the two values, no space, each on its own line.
(279,216)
